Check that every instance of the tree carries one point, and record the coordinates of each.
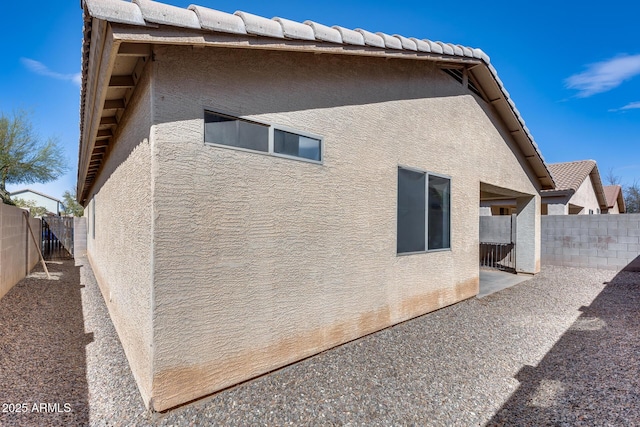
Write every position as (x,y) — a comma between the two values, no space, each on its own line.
(630,193)
(24,157)
(34,209)
(632,197)
(611,178)
(71,206)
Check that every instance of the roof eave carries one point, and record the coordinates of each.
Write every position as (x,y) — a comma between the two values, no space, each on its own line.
(598,188)
(140,23)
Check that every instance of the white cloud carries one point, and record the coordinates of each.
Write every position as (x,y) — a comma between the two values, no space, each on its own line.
(40,68)
(604,76)
(629,106)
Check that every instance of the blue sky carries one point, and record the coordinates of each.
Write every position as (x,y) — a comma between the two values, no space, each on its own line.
(572,68)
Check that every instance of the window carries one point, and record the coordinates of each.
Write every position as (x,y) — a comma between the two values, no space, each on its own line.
(225,130)
(229,131)
(411,211)
(295,145)
(424,211)
(439,217)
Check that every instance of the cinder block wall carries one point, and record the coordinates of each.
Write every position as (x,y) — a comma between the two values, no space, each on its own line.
(495,229)
(18,253)
(602,241)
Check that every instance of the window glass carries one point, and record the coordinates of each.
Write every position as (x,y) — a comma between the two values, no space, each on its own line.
(296,145)
(220,129)
(411,211)
(439,212)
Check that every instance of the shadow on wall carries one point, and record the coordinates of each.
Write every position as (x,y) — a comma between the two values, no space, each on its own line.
(590,376)
(233,81)
(42,350)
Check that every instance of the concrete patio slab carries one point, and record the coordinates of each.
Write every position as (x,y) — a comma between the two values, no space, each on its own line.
(492,281)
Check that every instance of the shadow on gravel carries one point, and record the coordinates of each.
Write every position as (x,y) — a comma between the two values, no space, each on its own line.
(42,350)
(590,376)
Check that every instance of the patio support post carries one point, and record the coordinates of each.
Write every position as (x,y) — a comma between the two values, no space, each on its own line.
(528,235)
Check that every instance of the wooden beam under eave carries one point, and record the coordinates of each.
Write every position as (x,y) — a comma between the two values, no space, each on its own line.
(113,104)
(101,143)
(121,82)
(104,133)
(108,121)
(134,49)
(450,66)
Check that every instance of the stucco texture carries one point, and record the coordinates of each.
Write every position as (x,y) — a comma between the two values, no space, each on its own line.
(615,209)
(119,242)
(18,252)
(585,198)
(260,261)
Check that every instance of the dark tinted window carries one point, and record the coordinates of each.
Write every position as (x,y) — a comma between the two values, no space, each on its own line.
(439,212)
(411,211)
(295,145)
(224,130)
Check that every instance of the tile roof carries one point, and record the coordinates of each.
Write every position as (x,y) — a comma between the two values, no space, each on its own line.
(613,193)
(151,14)
(148,13)
(569,176)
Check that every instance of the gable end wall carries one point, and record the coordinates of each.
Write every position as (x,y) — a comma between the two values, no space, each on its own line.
(261,261)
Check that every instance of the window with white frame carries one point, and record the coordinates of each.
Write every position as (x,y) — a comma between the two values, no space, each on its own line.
(234,132)
(424,211)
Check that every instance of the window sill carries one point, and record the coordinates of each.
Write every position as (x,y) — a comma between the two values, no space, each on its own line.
(423,252)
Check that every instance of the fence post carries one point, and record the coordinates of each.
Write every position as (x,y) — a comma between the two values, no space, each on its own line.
(35,242)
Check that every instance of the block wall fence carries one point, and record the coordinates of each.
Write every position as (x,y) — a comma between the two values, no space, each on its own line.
(601,241)
(18,253)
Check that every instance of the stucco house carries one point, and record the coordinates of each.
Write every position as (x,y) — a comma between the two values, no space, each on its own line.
(615,199)
(578,191)
(50,203)
(259,190)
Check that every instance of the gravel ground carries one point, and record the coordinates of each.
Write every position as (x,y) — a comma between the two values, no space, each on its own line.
(560,349)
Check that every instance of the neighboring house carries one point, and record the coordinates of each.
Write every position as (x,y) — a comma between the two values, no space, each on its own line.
(615,199)
(51,204)
(260,190)
(578,190)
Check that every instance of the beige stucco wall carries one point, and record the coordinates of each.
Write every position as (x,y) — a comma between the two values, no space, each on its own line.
(615,209)
(260,261)
(119,227)
(18,252)
(586,197)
